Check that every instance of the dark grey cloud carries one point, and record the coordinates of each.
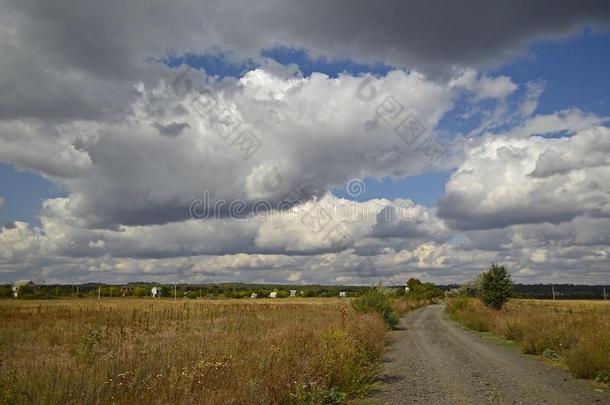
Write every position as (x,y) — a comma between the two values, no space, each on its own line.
(460,213)
(70,59)
(171,129)
(430,35)
(109,38)
(79,59)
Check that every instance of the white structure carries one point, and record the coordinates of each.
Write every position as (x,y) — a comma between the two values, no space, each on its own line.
(293,293)
(406,289)
(254,295)
(156,292)
(21,283)
(273,294)
(342,294)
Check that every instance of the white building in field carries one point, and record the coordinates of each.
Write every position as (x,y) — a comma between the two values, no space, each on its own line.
(273,294)
(342,294)
(254,295)
(293,293)
(17,285)
(156,292)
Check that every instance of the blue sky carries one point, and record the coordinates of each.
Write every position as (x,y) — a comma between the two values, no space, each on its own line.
(574,72)
(23,192)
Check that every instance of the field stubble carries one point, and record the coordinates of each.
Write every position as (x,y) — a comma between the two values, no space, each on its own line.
(263,351)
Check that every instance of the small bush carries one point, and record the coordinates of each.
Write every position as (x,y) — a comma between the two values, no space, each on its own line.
(496,286)
(375,300)
(469,289)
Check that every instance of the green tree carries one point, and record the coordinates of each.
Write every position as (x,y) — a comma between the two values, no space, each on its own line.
(423,291)
(141,291)
(6,291)
(413,283)
(496,286)
(429,291)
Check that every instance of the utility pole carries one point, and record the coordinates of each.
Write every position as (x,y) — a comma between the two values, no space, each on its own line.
(605,296)
(175,291)
(553,291)
(99,291)
(77,288)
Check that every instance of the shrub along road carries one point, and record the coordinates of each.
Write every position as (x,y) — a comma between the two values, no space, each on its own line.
(432,360)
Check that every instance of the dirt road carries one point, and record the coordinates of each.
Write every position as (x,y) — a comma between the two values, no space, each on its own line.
(432,360)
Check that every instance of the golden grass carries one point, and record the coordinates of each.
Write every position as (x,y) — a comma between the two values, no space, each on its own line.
(162,351)
(577,332)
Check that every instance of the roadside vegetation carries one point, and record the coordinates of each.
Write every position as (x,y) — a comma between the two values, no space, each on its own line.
(299,351)
(573,333)
(386,302)
(428,292)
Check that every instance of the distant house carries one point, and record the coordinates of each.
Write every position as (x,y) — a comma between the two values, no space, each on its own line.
(156,292)
(273,294)
(293,293)
(17,285)
(343,294)
(254,295)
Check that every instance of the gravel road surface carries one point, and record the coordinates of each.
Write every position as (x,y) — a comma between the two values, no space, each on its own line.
(432,360)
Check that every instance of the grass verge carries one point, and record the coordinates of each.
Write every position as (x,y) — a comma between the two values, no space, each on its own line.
(574,333)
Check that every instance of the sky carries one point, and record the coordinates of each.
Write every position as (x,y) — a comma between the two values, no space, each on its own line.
(351,142)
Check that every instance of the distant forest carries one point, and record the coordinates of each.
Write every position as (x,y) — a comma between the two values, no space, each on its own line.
(562,291)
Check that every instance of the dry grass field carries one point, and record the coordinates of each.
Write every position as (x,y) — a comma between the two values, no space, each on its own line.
(575,333)
(196,351)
